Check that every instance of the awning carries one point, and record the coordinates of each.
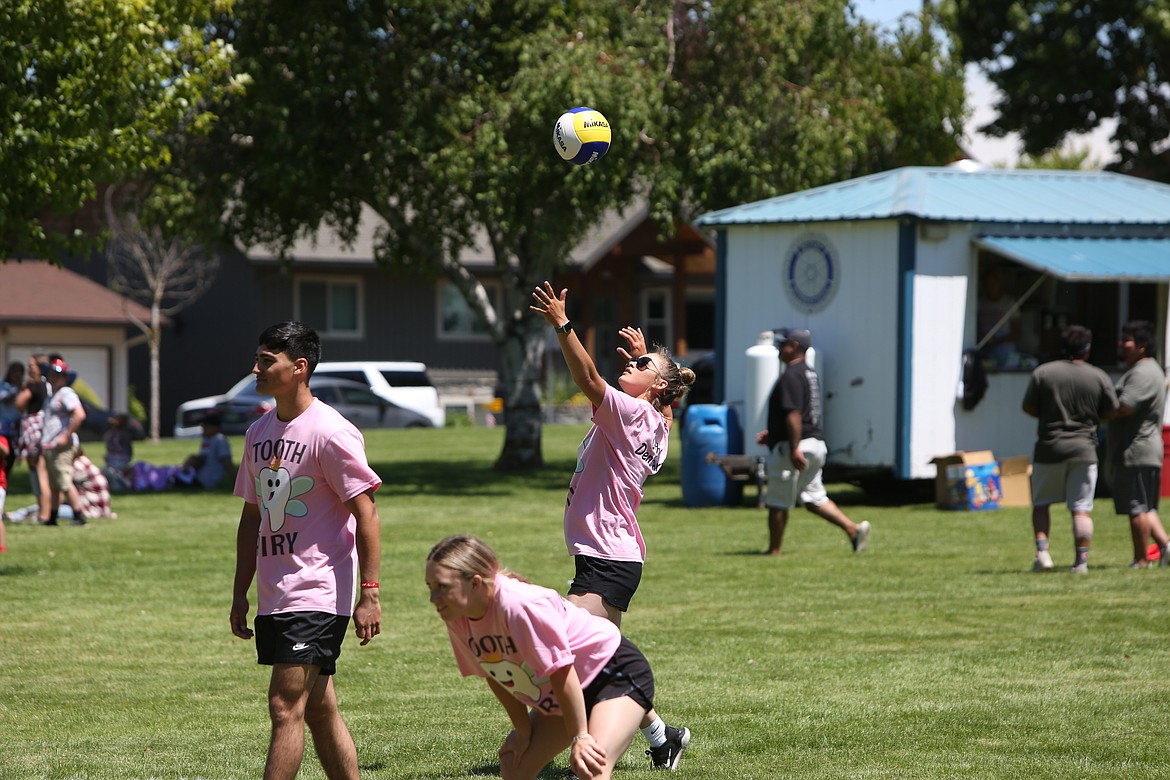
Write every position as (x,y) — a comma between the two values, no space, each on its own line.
(1074,258)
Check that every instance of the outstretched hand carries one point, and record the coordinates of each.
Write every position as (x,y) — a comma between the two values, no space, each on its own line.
(635,339)
(550,305)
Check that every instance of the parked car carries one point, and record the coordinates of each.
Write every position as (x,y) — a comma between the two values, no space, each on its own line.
(242,405)
(402,382)
(189,416)
(357,403)
(405,385)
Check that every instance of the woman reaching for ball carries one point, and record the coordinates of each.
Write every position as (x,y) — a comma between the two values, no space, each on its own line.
(567,678)
(626,444)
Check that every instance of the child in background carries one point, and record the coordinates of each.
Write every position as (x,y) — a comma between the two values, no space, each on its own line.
(119,443)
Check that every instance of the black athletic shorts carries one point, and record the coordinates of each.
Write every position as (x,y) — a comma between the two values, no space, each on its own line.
(312,638)
(627,673)
(614,581)
(1136,489)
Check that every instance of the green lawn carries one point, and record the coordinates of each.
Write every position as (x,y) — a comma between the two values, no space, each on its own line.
(937,654)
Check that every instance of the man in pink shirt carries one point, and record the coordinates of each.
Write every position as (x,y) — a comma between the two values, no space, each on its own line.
(309,534)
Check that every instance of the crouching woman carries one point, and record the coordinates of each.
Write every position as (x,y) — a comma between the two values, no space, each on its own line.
(567,678)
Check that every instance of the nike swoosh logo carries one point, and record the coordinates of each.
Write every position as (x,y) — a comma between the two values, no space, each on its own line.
(299,646)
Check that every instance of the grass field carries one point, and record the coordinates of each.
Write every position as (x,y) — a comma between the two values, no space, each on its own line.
(937,654)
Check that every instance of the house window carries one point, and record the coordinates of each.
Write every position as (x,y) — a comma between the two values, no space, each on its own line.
(656,319)
(457,322)
(331,306)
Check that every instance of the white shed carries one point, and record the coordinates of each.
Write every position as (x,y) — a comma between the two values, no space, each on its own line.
(884,271)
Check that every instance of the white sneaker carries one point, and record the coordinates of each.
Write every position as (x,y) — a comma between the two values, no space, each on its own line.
(861,539)
(1043,561)
(1080,568)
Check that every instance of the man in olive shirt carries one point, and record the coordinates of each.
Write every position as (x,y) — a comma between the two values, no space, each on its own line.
(1134,444)
(1069,398)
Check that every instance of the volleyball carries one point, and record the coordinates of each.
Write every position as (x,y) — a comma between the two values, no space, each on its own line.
(581,136)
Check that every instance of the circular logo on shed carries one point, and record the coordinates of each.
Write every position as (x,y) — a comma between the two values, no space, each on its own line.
(811,273)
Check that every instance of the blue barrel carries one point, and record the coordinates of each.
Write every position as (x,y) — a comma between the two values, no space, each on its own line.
(709,428)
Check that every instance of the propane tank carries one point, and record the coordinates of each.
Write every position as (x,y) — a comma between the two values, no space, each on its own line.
(763,369)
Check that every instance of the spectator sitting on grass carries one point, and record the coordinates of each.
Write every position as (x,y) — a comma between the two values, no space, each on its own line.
(204,469)
(214,458)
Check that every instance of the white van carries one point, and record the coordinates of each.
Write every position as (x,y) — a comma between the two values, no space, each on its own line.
(404,383)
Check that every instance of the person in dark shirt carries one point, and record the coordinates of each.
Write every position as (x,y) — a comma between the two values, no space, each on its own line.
(796,446)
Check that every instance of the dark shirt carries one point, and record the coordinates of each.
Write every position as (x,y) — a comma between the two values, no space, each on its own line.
(798,388)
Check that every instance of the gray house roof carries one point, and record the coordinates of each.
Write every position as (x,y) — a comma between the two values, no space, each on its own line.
(953,194)
(326,247)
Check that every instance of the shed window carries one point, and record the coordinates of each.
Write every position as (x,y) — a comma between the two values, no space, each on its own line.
(1021,312)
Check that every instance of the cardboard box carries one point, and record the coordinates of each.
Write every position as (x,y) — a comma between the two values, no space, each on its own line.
(967,480)
(1015,481)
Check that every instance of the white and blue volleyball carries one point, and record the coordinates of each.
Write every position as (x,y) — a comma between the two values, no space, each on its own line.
(581,135)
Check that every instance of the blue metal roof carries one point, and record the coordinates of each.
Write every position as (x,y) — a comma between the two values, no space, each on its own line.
(1088,259)
(956,195)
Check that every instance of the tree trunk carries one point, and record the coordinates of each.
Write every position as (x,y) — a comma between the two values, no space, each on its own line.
(520,364)
(155,339)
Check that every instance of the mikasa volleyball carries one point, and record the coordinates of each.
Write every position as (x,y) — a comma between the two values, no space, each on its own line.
(581,135)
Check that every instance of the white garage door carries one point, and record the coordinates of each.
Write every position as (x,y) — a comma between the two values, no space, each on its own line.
(92,364)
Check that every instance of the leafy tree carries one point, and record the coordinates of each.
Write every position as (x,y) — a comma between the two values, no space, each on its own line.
(90,92)
(438,116)
(1063,67)
(762,99)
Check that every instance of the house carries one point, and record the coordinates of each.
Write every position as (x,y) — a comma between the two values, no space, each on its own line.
(620,273)
(46,308)
(886,272)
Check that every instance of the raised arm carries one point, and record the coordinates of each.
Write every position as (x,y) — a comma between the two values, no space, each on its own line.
(552,307)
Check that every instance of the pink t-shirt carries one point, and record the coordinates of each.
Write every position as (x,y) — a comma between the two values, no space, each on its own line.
(626,444)
(301,473)
(528,633)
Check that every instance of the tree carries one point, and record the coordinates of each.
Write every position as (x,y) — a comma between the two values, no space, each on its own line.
(165,273)
(90,92)
(439,116)
(761,100)
(1064,67)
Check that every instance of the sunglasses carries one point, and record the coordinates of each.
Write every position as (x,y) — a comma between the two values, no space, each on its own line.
(643,363)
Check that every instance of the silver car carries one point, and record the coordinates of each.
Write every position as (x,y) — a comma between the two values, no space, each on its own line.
(358,403)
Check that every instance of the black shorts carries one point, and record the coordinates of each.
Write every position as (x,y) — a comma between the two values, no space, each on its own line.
(1135,489)
(627,673)
(312,638)
(614,581)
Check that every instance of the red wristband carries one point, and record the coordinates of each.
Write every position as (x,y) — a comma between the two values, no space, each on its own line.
(369,584)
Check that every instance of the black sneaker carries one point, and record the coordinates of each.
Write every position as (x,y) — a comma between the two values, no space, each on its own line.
(78,520)
(670,752)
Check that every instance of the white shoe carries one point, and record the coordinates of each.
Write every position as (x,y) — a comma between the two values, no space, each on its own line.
(861,539)
(1080,568)
(1043,561)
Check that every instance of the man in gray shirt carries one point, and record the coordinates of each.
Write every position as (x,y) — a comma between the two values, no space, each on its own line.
(1069,398)
(1133,446)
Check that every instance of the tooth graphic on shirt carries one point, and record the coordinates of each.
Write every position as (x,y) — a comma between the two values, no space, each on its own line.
(278,491)
(513,677)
